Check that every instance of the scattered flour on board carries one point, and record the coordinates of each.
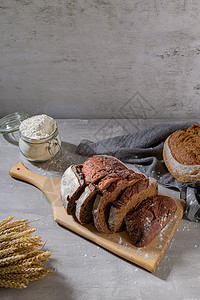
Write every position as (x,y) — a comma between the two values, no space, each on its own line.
(122,243)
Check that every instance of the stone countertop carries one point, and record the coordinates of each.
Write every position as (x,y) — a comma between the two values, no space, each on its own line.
(83,269)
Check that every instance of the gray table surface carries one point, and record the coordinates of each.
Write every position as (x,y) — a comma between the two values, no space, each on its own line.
(83,269)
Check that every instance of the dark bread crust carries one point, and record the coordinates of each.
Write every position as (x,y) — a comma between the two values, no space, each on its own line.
(99,166)
(77,169)
(148,218)
(185,145)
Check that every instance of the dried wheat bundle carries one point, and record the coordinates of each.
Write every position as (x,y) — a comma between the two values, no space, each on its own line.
(21,256)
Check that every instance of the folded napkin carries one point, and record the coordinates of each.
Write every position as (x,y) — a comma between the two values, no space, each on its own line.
(144,149)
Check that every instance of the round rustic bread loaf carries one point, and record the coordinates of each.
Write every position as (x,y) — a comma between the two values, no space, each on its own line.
(181,153)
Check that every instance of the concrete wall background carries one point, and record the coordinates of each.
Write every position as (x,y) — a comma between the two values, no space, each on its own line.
(100,58)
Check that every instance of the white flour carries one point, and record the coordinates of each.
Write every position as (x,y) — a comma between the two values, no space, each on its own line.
(39,140)
(37,127)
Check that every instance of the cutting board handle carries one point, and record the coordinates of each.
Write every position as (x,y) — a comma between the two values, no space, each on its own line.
(50,186)
(19,171)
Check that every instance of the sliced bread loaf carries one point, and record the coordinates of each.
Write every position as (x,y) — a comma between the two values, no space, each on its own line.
(145,221)
(133,195)
(103,202)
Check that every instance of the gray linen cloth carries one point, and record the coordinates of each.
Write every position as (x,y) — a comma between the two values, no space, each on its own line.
(144,150)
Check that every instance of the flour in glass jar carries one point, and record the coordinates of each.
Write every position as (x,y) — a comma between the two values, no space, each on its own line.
(39,138)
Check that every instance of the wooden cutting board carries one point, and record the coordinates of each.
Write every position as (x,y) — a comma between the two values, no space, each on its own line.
(147,257)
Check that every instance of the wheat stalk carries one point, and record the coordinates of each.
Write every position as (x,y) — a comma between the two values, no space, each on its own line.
(20,240)
(18,228)
(13,224)
(13,284)
(19,248)
(12,236)
(21,256)
(4,221)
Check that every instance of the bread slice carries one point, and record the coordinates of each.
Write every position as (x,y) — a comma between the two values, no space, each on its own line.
(72,184)
(103,202)
(145,221)
(85,202)
(183,173)
(133,195)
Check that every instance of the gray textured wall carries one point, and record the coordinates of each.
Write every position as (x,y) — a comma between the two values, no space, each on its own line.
(100,58)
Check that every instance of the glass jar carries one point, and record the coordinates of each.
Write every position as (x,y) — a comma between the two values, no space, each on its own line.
(42,149)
